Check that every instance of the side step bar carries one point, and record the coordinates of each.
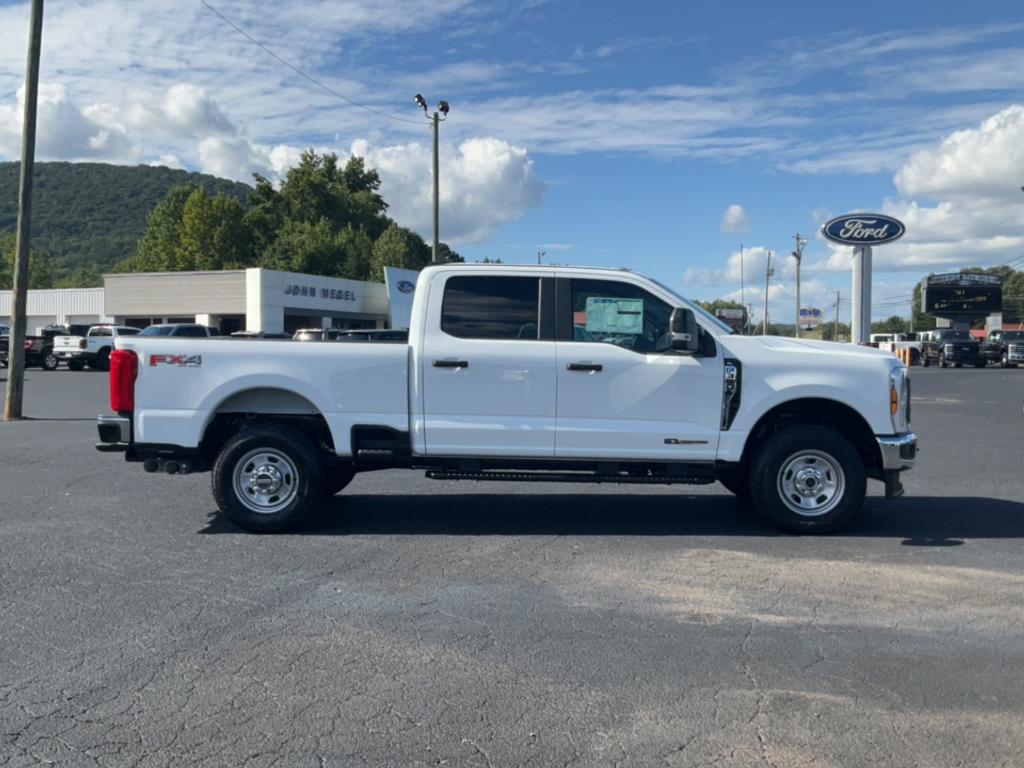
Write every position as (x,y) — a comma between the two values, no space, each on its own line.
(690,478)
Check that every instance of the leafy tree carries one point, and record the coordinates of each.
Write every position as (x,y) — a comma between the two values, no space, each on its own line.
(828,332)
(398,247)
(161,242)
(302,246)
(358,248)
(82,277)
(893,324)
(40,274)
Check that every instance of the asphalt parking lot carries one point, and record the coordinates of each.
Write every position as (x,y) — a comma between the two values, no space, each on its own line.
(413,622)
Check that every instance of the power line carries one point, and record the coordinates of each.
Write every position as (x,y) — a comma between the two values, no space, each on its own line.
(299,72)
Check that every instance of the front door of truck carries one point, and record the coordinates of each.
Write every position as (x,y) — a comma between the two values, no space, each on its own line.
(619,398)
(488,372)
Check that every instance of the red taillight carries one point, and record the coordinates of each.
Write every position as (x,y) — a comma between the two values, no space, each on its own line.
(29,343)
(124,369)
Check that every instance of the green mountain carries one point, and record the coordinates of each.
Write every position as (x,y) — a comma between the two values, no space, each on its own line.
(89,216)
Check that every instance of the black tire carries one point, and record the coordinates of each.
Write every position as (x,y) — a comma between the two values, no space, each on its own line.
(942,360)
(277,446)
(915,356)
(75,365)
(102,360)
(925,361)
(336,479)
(828,459)
(736,480)
(49,361)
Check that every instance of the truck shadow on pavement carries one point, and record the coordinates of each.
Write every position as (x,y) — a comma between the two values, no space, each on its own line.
(917,521)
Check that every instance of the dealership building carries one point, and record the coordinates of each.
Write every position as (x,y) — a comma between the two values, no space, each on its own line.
(232,300)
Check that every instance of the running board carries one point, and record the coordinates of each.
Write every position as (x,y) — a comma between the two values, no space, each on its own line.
(570,477)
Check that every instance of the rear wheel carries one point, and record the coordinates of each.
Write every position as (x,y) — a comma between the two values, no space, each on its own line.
(49,361)
(102,360)
(267,477)
(808,479)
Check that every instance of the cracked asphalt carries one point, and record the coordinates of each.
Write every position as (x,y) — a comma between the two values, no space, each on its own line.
(414,622)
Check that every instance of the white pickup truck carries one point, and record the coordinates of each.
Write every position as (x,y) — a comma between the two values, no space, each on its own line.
(529,374)
(93,349)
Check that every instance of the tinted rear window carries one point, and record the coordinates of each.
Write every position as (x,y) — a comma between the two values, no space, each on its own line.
(491,307)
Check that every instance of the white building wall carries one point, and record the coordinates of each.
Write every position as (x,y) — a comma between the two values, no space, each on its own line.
(58,306)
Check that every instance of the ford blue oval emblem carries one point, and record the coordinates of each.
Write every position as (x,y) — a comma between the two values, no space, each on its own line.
(863,229)
(405,286)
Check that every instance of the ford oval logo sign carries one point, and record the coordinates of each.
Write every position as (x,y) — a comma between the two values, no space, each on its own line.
(405,286)
(863,229)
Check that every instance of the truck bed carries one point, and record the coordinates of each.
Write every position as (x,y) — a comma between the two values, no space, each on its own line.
(184,382)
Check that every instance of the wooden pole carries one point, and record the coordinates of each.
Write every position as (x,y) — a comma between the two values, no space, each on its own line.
(16,350)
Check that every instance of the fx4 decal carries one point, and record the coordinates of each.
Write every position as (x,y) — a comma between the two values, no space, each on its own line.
(182,361)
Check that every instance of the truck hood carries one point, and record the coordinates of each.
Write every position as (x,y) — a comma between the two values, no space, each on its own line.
(810,347)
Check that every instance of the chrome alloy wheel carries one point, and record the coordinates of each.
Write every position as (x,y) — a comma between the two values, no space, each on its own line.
(811,483)
(266,480)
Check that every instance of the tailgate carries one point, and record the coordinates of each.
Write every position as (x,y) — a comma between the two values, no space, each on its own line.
(66,343)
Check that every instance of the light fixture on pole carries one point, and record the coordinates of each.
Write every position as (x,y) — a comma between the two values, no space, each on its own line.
(798,254)
(438,117)
(541,255)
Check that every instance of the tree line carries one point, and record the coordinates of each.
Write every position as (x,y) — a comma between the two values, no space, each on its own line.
(323,219)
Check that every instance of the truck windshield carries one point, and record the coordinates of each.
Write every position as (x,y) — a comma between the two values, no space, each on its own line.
(157,330)
(697,309)
(1013,335)
(956,336)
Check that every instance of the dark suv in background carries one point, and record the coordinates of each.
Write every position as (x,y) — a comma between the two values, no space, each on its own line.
(1004,347)
(952,348)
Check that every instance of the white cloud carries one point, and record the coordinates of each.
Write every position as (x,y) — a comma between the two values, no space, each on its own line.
(485,182)
(735,219)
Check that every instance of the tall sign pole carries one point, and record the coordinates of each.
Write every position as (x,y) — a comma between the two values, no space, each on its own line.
(743,296)
(16,350)
(768,272)
(863,231)
(798,254)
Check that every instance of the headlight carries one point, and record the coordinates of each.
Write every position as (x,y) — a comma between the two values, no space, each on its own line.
(899,399)
(949,348)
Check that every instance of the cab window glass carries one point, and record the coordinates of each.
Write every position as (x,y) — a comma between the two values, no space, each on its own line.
(618,313)
(491,307)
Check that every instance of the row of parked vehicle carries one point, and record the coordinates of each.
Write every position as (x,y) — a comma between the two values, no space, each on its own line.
(950,348)
(83,346)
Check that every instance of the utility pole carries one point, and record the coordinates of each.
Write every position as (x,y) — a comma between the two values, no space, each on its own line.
(436,119)
(836,334)
(798,254)
(743,299)
(16,348)
(768,272)
(541,255)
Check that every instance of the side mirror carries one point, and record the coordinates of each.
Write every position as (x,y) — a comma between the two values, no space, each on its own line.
(683,335)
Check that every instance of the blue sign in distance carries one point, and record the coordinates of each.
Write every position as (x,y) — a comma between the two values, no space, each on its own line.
(863,229)
(405,286)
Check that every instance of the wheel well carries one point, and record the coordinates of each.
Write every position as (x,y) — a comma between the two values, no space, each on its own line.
(829,413)
(259,406)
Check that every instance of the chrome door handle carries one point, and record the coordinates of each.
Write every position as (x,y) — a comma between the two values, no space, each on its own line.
(595,367)
(451,364)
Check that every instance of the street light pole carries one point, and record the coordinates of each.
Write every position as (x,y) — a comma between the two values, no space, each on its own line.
(435,119)
(798,254)
(16,342)
(743,298)
(768,272)
(541,255)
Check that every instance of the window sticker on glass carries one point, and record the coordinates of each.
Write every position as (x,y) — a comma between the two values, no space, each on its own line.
(607,315)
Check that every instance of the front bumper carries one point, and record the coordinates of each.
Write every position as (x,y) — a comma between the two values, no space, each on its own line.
(898,451)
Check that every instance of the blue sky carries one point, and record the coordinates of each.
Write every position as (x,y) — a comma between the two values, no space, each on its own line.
(612,134)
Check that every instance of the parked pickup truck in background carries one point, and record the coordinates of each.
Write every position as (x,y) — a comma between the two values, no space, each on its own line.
(1004,347)
(93,349)
(890,342)
(947,347)
(38,351)
(494,384)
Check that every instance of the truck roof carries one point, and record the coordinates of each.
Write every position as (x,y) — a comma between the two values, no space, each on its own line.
(553,267)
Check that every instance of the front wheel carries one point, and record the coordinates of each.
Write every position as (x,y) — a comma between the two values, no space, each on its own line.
(75,365)
(808,479)
(103,360)
(266,478)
